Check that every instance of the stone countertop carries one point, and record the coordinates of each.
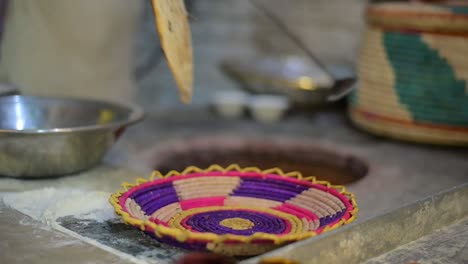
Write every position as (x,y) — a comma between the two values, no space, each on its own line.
(27,241)
(448,245)
(399,173)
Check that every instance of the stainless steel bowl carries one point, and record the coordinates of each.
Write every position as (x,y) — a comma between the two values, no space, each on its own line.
(298,78)
(46,136)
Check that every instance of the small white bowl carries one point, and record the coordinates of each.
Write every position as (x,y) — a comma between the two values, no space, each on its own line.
(268,108)
(230,104)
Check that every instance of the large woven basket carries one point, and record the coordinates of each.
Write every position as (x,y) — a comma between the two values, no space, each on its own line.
(413,73)
(233,211)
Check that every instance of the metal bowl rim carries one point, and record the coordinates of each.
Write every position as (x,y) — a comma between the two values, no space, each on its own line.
(233,65)
(136,114)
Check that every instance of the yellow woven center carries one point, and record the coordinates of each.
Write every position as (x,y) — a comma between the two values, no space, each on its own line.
(237,223)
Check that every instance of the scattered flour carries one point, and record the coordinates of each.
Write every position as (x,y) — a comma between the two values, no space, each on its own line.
(48,204)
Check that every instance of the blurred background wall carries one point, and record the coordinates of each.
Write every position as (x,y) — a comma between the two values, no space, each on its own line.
(58,48)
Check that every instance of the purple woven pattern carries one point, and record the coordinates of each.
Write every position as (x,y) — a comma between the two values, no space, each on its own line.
(155,197)
(270,189)
(211,222)
(330,219)
(234,212)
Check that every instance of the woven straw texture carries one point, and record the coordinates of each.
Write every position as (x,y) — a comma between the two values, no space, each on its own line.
(420,17)
(413,85)
(233,211)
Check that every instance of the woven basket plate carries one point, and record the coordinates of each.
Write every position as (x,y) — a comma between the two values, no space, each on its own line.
(233,211)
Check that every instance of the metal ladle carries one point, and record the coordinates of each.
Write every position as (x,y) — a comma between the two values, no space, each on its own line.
(341,87)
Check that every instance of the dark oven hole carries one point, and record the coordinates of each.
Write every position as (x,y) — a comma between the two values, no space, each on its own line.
(289,155)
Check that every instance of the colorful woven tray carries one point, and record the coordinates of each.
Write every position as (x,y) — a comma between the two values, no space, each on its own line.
(233,211)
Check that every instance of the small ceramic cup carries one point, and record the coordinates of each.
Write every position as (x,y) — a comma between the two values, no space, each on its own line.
(268,108)
(230,104)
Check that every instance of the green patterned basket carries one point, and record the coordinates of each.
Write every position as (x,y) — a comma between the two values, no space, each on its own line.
(414,75)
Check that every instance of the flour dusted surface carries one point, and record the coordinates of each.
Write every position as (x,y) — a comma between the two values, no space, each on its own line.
(48,204)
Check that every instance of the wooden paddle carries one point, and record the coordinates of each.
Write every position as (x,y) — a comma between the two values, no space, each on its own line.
(174,32)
